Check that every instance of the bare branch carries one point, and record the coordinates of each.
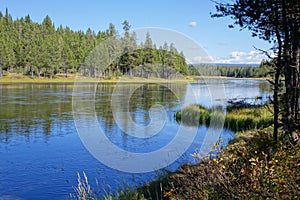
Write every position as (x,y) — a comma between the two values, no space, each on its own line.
(264,51)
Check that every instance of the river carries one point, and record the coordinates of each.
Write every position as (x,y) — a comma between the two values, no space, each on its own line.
(41,151)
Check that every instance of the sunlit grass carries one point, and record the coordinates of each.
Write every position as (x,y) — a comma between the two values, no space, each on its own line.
(236,119)
(61,78)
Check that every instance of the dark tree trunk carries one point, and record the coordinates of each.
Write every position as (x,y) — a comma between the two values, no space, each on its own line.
(142,71)
(66,72)
(0,72)
(31,72)
(296,83)
(39,73)
(297,119)
(277,79)
(287,71)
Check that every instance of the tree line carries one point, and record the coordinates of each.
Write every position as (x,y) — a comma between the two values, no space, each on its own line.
(41,49)
(263,70)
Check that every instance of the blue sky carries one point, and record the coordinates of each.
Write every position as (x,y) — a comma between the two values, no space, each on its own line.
(189,17)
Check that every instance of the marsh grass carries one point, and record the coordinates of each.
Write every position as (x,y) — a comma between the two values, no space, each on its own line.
(236,119)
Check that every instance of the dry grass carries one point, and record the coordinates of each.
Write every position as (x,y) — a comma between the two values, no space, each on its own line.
(60,78)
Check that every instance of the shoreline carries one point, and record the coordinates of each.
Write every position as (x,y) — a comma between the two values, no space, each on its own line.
(17,78)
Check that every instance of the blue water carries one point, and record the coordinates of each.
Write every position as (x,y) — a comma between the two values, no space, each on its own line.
(41,152)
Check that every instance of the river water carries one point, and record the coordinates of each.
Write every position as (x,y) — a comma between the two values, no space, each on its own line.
(41,151)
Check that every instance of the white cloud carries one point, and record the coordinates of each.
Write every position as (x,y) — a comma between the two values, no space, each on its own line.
(202,59)
(193,24)
(240,57)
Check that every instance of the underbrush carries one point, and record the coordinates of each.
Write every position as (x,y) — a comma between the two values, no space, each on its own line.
(251,167)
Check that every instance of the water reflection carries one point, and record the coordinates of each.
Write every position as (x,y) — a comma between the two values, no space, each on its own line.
(28,109)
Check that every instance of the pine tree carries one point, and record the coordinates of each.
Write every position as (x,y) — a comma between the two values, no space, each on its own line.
(148,42)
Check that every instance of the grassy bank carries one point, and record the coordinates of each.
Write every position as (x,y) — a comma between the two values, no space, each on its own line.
(60,78)
(19,78)
(237,118)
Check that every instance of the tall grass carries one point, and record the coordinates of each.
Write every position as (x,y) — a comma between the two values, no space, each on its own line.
(236,119)
(83,190)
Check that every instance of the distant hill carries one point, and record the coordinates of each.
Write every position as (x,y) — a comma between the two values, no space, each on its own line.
(228,64)
(231,70)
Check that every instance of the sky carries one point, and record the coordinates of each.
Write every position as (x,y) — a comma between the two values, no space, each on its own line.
(190,18)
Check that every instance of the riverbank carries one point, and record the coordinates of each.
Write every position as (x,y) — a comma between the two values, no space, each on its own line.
(61,78)
(17,78)
(251,166)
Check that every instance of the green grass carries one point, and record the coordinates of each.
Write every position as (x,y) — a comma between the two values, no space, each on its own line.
(236,119)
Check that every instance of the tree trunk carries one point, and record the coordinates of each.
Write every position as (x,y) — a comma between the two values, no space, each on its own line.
(0,72)
(66,72)
(39,74)
(288,125)
(297,119)
(277,77)
(275,100)
(31,72)
(296,81)
(142,71)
